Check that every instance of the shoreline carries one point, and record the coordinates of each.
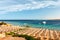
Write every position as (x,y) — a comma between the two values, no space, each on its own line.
(34,32)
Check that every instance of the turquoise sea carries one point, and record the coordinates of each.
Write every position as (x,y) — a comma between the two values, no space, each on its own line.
(47,24)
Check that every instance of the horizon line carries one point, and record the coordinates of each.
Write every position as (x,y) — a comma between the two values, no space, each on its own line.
(29,19)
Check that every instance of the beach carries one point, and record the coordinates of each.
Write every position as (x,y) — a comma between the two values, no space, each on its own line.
(39,33)
(29,19)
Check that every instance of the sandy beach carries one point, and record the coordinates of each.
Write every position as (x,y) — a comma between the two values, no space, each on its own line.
(42,34)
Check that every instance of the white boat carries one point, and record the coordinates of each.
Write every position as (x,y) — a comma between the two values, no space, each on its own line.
(44,22)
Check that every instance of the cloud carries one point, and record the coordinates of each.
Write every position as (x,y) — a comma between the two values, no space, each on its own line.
(13,5)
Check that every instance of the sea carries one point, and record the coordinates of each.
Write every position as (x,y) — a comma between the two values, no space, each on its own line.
(46,24)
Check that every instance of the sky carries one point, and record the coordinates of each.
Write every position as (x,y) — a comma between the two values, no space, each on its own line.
(29,9)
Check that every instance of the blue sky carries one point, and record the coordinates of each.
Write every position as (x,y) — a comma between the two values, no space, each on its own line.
(29,9)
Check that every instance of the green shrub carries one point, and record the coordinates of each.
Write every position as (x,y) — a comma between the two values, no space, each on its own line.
(21,35)
(27,26)
(10,33)
(2,23)
(24,36)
